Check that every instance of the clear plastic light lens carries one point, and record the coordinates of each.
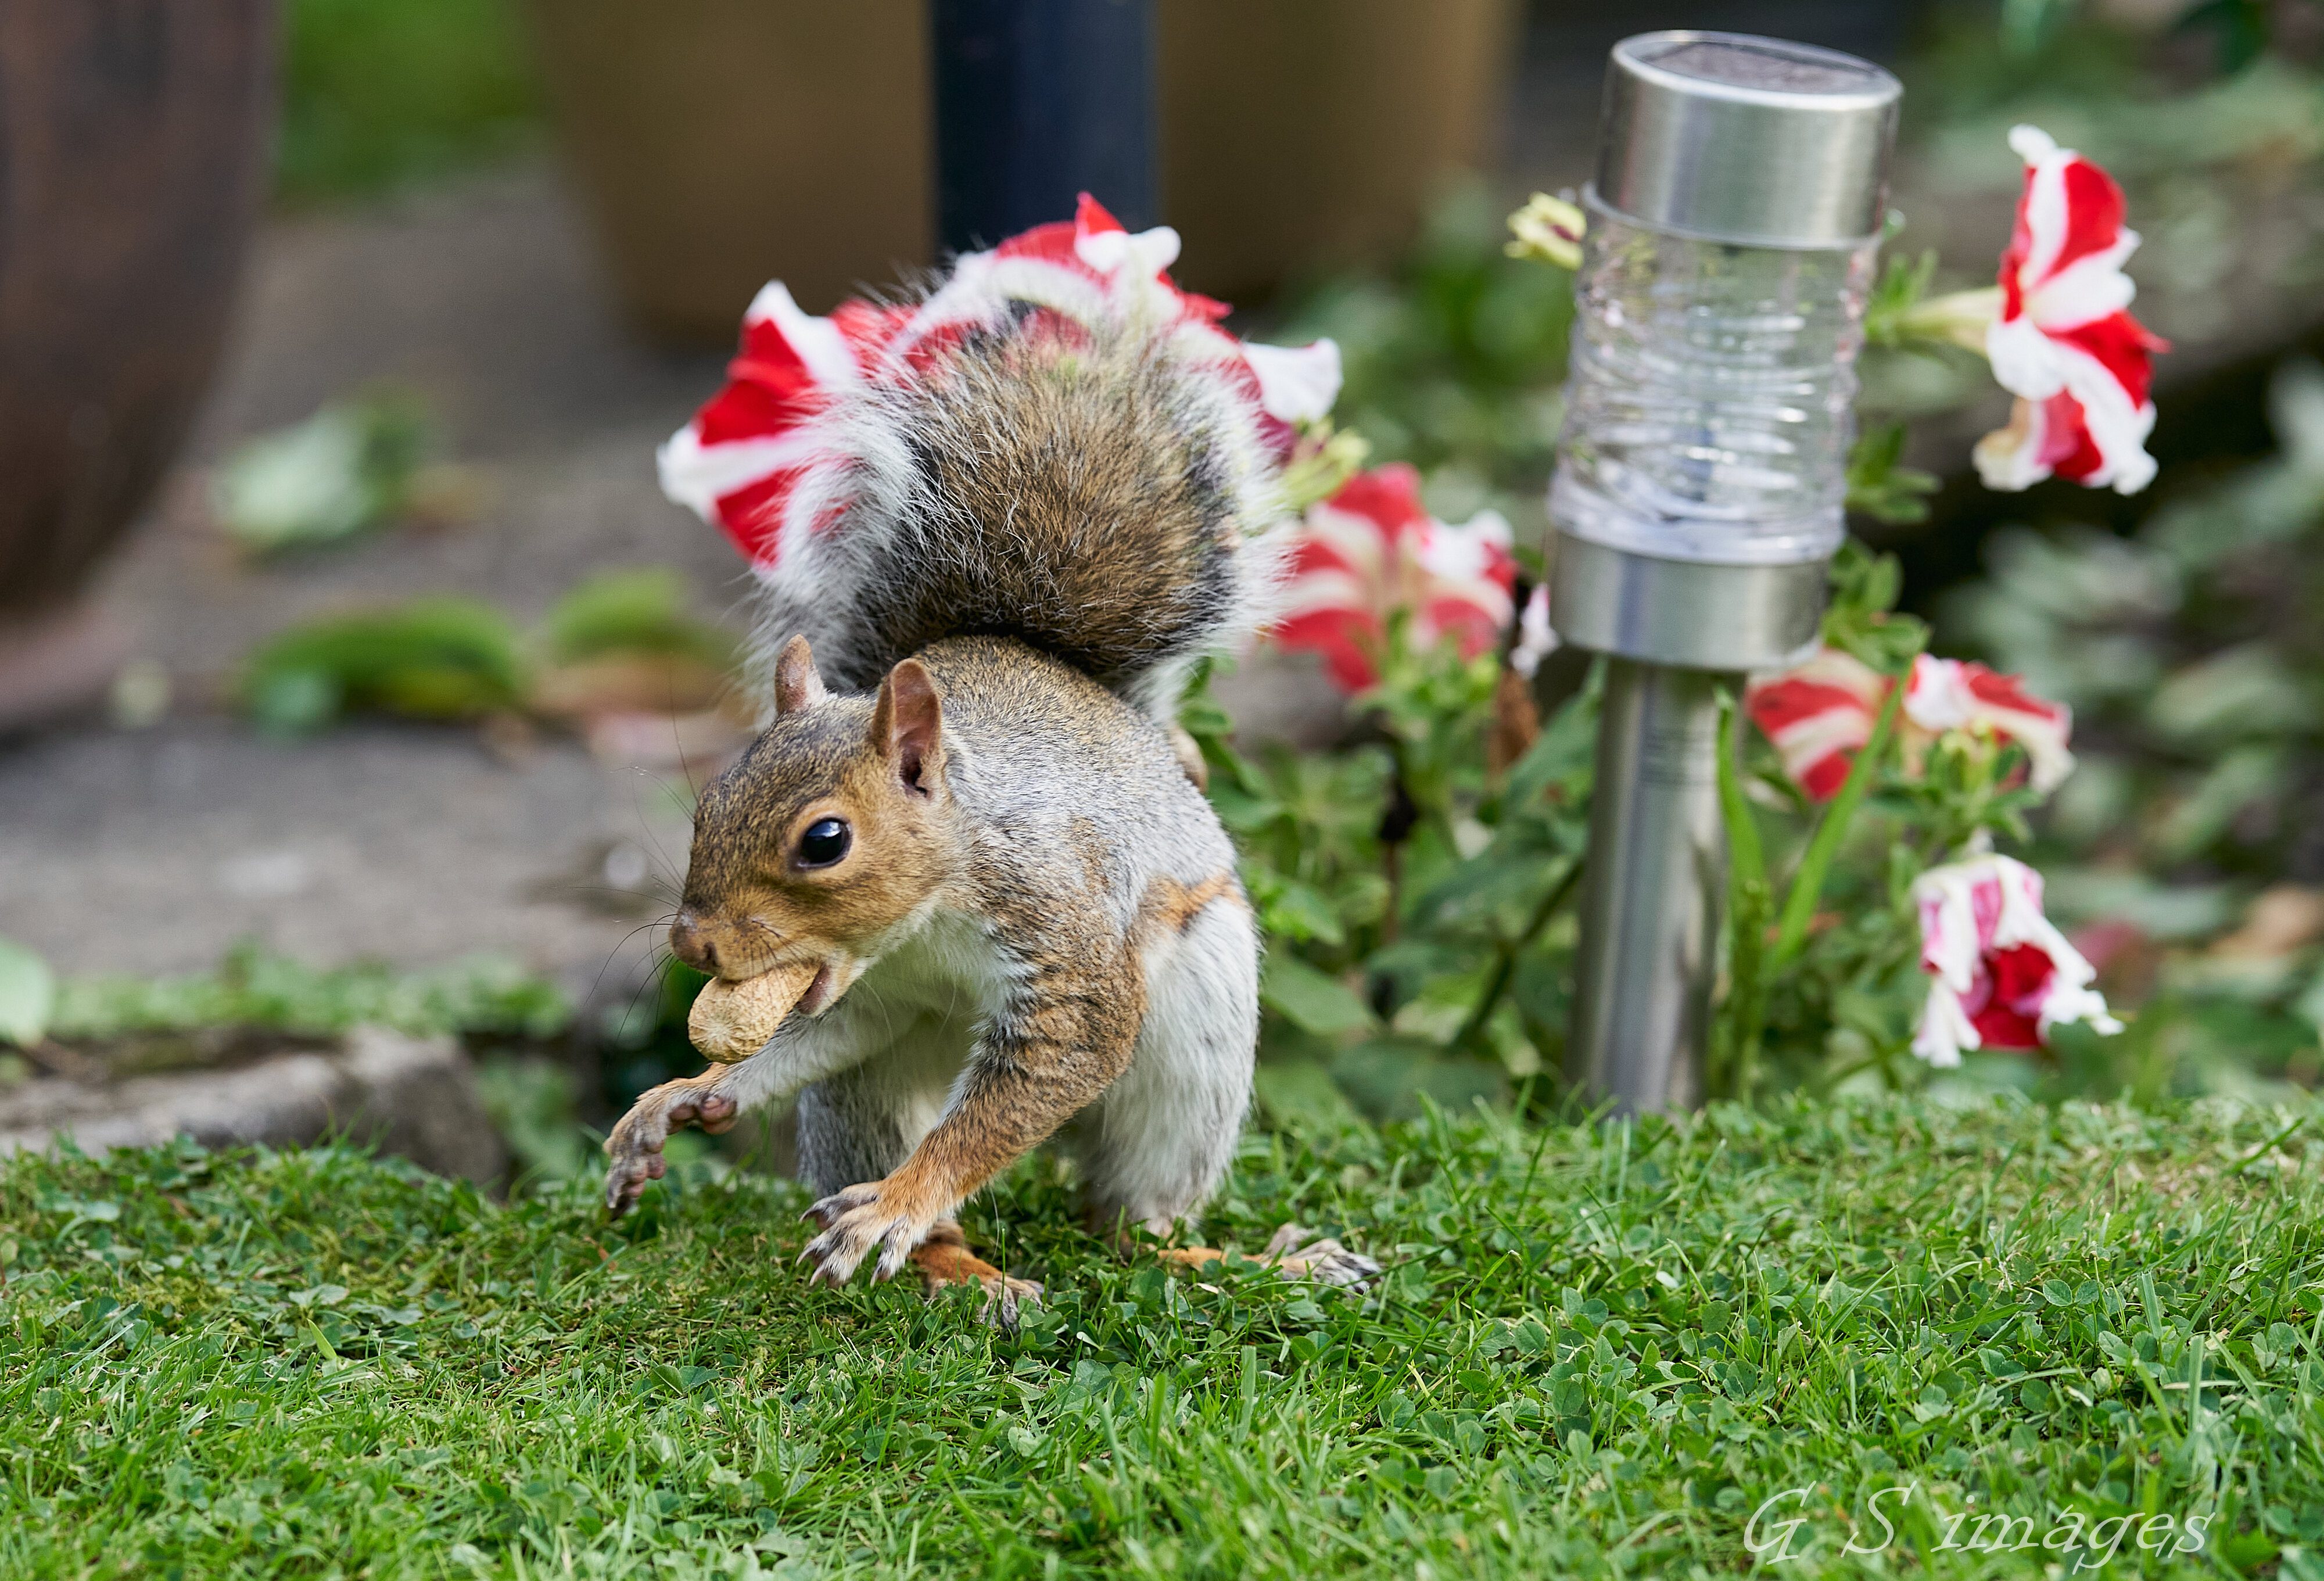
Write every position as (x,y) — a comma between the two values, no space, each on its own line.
(1708,413)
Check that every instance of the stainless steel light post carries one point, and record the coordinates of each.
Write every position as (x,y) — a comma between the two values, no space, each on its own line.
(1718,311)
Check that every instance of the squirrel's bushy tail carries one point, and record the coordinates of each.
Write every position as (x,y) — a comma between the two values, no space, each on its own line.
(1101,502)
(1054,445)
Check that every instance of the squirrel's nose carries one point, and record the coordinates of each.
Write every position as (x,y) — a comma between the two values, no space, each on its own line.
(687,943)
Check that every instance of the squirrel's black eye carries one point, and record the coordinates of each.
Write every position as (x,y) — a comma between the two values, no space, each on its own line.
(825,842)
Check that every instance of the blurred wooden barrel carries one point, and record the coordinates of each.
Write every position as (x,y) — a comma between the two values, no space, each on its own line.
(722,143)
(1298,135)
(134,142)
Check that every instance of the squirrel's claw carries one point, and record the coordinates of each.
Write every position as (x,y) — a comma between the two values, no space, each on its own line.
(635,1144)
(854,1222)
(1005,1301)
(826,1212)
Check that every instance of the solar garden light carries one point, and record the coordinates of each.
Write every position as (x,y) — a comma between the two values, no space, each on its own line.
(1719,311)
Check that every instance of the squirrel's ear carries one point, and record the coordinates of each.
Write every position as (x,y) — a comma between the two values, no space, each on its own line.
(908,725)
(797,683)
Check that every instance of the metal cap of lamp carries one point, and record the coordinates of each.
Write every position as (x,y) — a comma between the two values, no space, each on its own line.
(1701,480)
(1746,140)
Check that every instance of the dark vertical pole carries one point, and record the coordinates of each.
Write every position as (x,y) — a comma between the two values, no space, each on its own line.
(1037,100)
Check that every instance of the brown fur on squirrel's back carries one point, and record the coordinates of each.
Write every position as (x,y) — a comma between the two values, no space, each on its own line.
(1105,500)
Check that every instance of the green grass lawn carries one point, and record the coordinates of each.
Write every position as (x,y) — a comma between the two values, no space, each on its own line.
(1594,1353)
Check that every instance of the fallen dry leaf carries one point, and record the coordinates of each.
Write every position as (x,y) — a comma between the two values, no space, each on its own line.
(2286,917)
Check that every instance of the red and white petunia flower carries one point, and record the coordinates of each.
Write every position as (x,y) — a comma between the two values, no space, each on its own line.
(1819,715)
(1373,549)
(2002,975)
(2063,341)
(756,462)
(740,463)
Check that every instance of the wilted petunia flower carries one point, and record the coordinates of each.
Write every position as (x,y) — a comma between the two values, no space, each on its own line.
(1373,549)
(1820,715)
(1536,640)
(2064,342)
(2003,974)
(755,462)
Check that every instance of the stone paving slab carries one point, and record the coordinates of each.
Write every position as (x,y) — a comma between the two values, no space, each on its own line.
(154,850)
(414,1097)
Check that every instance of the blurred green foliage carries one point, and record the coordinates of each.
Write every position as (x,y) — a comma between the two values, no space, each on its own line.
(377,93)
(452,659)
(2192,654)
(444,658)
(257,989)
(633,610)
(530,1102)
(348,469)
(1454,361)
(28,995)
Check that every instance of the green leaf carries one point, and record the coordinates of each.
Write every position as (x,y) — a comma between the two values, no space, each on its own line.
(1388,1076)
(1746,864)
(1298,910)
(1476,890)
(1898,291)
(1565,752)
(1311,1000)
(637,610)
(431,657)
(1303,1091)
(341,472)
(1881,488)
(28,995)
(293,700)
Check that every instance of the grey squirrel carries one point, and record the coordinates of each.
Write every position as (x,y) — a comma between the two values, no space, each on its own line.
(996,528)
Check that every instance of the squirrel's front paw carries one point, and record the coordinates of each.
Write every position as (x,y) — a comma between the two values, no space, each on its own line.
(635,1149)
(636,1143)
(854,1221)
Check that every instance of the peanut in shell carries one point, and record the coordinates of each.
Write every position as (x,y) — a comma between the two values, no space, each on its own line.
(733,1021)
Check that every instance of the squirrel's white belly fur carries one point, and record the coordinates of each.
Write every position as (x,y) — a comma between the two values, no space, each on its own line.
(1157,1144)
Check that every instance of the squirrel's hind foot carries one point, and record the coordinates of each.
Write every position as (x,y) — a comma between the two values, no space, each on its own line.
(1290,1252)
(1323,1260)
(1006,1296)
(946,1263)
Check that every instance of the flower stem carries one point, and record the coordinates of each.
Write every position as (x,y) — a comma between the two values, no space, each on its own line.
(1506,952)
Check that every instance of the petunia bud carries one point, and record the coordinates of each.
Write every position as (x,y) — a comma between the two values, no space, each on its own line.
(1550,229)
